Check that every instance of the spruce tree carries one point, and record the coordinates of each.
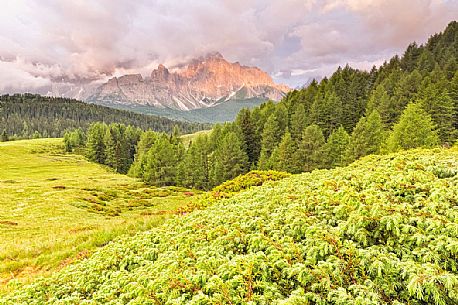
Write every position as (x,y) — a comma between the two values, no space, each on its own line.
(161,163)
(335,148)
(415,129)
(367,137)
(283,157)
(95,149)
(310,150)
(298,122)
(271,137)
(248,132)
(438,104)
(229,159)
(194,170)
(147,140)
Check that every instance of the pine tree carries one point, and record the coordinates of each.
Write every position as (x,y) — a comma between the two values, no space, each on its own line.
(415,129)
(298,122)
(335,148)
(310,151)
(229,159)
(367,137)
(194,170)
(95,142)
(283,157)
(440,107)
(271,137)
(453,91)
(147,140)
(248,135)
(161,163)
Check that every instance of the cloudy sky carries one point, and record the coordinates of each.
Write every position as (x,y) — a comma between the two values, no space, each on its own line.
(45,41)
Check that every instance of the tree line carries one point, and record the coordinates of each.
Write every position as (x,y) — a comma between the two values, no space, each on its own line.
(410,101)
(34,116)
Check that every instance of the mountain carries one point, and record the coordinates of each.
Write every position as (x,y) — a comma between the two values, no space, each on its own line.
(201,83)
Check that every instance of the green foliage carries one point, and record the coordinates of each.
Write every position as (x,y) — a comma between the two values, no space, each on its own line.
(29,115)
(96,146)
(310,150)
(382,231)
(248,180)
(271,136)
(228,160)
(284,156)
(161,161)
(434,98)
(335,148)
(195,168)
(74,139)
(367,137)
(415,129)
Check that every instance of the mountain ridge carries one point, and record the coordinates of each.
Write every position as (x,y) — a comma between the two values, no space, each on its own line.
(200,83)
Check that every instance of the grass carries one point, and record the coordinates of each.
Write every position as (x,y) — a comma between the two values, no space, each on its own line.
(188,138)
(56,208)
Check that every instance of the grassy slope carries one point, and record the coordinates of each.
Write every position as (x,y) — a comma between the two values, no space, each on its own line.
(381,231)
(188,138)
(55,207)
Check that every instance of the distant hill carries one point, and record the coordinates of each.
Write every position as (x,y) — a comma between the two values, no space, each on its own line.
(29,115)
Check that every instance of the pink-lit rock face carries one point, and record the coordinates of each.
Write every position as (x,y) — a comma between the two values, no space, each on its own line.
(202,82)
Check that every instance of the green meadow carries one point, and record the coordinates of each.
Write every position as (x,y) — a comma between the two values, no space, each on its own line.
(56,208)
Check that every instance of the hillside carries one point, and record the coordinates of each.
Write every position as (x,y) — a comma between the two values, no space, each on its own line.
(57,207)
(28,115)
(383,230)
(219,113)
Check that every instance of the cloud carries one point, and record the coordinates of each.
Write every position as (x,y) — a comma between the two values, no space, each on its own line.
(45,41)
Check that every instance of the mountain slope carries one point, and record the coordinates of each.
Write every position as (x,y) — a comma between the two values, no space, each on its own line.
(22,115)
(201,83)
(381,231)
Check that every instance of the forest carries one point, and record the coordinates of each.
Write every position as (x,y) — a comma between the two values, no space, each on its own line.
(24,116)
(410,101)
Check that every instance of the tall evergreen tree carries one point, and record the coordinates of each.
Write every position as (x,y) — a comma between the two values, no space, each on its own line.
(415,129)
(271,137)
(366,138)
(310,150)
(161,163)
(195,168)
(440,107)
(283,156)
(298,122)
(147,140)
(335,148)
(229,160)
(248,135)
(95,147)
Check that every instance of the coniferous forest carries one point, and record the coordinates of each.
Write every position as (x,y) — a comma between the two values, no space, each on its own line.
(410,101)
(25,116)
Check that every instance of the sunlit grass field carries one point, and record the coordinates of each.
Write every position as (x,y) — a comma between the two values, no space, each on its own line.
(56,208)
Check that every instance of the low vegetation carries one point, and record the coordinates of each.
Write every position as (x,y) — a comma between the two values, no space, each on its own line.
(380,231)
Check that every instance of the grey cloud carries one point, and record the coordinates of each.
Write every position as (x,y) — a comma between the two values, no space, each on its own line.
(83,41)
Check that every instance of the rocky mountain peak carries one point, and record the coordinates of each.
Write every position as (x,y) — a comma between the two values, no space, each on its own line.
(202,82)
